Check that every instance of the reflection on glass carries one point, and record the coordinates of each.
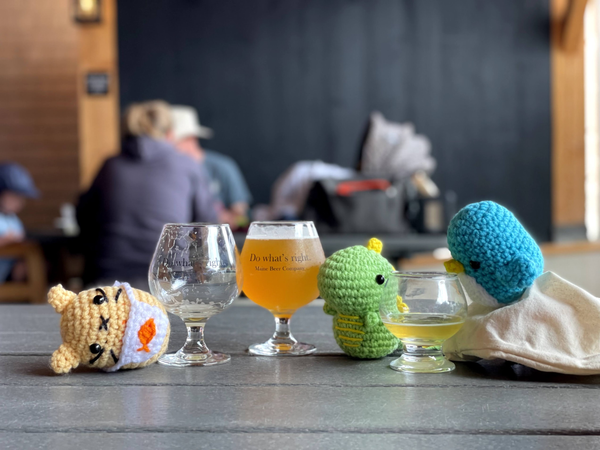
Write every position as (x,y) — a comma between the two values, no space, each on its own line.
(195,274)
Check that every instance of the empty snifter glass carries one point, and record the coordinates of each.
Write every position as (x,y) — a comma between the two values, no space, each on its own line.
(281,261)
(423,309)
(195,274)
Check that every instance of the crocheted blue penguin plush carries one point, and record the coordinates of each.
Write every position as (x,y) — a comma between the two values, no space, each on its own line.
(495,257)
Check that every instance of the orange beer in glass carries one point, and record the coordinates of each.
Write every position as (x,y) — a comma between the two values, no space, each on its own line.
(280,261)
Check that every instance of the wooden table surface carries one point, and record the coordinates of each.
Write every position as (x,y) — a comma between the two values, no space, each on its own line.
(322,401)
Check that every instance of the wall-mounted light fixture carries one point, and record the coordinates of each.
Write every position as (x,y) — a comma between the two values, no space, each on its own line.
(87,11)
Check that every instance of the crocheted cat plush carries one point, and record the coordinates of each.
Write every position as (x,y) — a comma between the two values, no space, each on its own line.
(494,256)
(353,281)
(109,328)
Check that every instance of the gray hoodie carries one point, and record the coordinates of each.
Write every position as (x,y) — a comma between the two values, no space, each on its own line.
(133,196)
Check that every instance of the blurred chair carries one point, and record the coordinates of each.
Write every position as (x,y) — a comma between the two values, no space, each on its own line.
(34,289)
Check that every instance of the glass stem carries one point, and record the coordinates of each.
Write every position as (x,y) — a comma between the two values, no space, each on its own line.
(282,331)
(194,343)
(423,351)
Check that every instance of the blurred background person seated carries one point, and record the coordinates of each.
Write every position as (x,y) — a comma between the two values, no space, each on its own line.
(16,186)
(226,180)
(148,184)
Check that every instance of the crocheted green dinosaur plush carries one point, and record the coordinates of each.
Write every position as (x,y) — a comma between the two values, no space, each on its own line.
(353,282)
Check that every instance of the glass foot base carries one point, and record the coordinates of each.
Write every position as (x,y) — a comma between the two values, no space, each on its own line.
(275,349)
(422,364)
(186,360)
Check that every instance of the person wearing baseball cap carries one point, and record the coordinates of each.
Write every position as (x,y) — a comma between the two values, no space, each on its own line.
(226,180)
(16,186)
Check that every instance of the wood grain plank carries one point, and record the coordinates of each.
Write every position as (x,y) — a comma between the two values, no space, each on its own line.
(568,124)
(296,441)
(98,116)
(572,33)
(38,100)
(29,330)
(243,315)
(325,369)
(121,408)
(231,331)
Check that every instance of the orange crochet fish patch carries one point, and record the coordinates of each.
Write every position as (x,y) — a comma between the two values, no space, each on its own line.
(146,333)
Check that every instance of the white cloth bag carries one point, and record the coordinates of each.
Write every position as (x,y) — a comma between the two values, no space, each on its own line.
(555,327)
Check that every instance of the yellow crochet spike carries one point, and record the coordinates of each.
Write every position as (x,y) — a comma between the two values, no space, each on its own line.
(402,307)
(453,266)
(375,245)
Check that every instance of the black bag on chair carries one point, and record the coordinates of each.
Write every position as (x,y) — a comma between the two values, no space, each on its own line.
(361,205)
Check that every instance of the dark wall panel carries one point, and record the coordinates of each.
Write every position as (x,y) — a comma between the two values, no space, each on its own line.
(285,80)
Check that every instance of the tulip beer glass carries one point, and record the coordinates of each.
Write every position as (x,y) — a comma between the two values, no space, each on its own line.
(281,261)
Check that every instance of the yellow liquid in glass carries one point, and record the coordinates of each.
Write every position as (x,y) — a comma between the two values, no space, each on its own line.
(424,327)
(281,274)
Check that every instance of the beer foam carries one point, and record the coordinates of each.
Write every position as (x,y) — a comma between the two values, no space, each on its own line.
(282,230)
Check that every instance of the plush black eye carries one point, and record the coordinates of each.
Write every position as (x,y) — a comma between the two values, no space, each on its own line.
(95,348)
(475,265)
(101,298)
(380,279)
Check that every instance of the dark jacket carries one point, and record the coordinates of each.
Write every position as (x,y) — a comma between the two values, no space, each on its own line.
(133,196)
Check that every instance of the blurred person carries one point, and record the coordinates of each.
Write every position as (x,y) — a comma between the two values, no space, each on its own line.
(226,180)
(148,184)
(16,186)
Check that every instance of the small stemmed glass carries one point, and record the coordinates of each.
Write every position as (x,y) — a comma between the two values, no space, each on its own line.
(195,274)
(423,309)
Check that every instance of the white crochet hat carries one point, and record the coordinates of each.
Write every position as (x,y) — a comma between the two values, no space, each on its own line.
(146,329)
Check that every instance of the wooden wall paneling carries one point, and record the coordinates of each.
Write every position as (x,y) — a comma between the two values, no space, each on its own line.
(568,127)
(98,115)
(38,101)
(572,33)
